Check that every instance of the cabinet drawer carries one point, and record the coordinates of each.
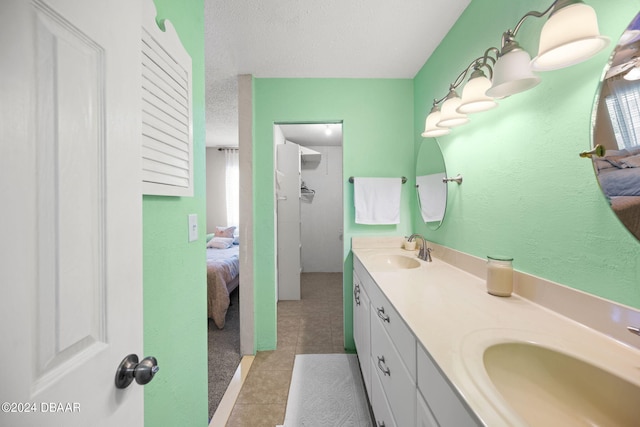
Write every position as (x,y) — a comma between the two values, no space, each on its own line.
(379,403)
(444,402)
(397,383)
(383,313)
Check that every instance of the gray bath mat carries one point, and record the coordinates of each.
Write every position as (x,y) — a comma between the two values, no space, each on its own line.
(327,390)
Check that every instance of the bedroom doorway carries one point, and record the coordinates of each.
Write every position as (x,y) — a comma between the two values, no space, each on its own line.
(309,231)
(223,280)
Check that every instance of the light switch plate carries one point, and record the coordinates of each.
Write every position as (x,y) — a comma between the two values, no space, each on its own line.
(193,227)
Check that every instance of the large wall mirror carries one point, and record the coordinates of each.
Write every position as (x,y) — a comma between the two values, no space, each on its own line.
(616,127)
(432,191)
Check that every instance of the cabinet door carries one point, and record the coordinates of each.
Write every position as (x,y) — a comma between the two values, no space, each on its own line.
(447,407)
(361,329)
(424,417)
(288,223)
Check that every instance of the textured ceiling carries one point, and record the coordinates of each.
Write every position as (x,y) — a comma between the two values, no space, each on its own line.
(329,38)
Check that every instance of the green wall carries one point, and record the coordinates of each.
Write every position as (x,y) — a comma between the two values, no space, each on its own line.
(377,120)
(175,325)
(526,193)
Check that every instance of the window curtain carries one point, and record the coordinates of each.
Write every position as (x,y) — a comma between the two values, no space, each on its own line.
(232,186)
(624,109)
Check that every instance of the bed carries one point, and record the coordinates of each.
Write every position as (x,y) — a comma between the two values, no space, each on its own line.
(223,276)
(619,177)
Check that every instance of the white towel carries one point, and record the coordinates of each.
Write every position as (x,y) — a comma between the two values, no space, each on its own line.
(377,200)
(432,196)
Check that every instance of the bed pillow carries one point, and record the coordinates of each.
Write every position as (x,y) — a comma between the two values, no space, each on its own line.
(602,164)
(225,231)
(210,236)
(220,242)
(631,161)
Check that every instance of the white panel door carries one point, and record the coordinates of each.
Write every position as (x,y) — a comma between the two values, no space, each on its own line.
(70,235)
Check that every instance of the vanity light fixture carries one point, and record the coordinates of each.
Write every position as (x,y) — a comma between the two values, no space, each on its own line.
(512,73)
(569,36)
(450,116)
(474,97)
(431,128)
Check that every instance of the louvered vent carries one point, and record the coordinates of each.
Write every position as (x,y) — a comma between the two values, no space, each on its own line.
(167,137)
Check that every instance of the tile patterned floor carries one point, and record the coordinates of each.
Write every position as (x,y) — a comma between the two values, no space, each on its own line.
(310,326)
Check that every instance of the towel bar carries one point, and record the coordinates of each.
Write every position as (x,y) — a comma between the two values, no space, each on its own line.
(404,179)
(457,178)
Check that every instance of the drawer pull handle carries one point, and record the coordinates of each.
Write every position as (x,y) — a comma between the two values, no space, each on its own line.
(382,315)
(356,294)
(381,424)
(385,370)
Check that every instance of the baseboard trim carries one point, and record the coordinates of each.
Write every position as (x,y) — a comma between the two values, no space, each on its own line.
(223,412)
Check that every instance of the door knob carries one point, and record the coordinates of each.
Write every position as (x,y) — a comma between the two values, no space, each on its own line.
(131,369)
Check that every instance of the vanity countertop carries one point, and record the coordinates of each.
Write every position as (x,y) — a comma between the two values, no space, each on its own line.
(454,319)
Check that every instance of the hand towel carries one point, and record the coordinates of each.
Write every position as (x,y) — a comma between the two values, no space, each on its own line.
(377,200)
(432,196)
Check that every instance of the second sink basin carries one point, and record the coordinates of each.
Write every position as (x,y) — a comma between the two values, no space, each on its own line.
(392,262)
(547,387)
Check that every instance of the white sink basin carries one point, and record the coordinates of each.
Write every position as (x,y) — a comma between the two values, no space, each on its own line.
(391,262)
(546,387)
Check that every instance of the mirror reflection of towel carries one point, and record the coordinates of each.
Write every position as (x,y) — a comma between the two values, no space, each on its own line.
(432,196)
(377,200)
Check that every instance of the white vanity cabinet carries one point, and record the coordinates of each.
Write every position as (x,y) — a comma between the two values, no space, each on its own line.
(405,386)
(397,383)
(444,403)
(361,329)
(424,417)
(391,349)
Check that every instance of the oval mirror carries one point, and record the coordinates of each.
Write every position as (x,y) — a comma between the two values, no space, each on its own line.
(616,129)
(432,191)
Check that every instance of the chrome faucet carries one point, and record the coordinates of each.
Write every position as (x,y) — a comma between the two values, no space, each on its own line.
(425,252)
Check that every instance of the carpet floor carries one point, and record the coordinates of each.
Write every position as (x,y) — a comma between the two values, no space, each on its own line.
(327,390)
(224,353)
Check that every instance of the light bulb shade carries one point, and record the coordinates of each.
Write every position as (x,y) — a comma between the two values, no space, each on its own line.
(569,36)
(450,116)
(431,128)
(474,98)
(512,74)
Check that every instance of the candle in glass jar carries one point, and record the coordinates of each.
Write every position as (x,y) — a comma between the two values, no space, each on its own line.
(499,276)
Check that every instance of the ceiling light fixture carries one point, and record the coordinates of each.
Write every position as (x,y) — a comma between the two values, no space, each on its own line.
(328,131)
(569,36)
